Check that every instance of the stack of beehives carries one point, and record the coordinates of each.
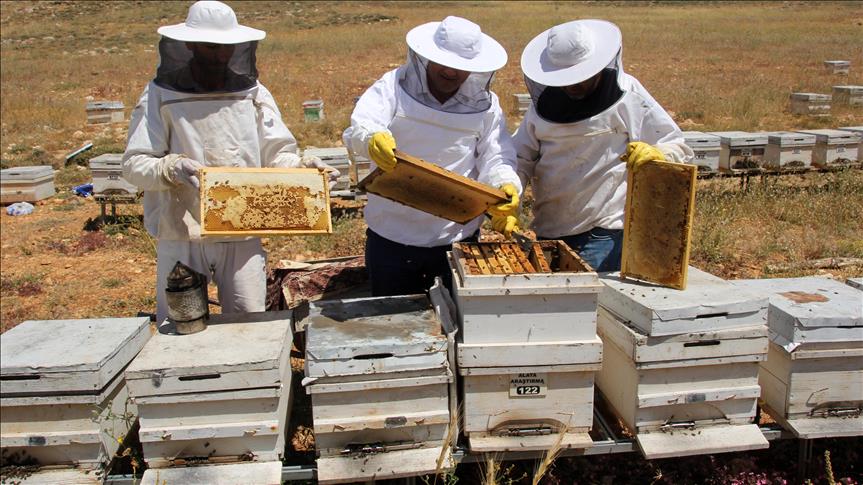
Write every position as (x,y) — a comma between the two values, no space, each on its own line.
(221,395)
(379,373)
(528,349)
(63,398)
(812,380)
(681,367)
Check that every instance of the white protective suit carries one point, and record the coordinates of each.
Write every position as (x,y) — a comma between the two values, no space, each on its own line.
(475,145)
(578,179)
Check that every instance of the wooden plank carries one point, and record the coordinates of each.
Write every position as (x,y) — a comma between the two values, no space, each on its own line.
(484,266)
(63,476)
(264,201)
(699,395)
(432,189)
(383,466)
(530,353)
(819,427)
(502,258)
(481,443)
(491,258)
(701,441)
(660,202)
(511,258)
(519,254)
(267,473)
(466,259)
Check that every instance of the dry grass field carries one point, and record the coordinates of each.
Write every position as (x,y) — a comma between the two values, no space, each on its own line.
(712,65)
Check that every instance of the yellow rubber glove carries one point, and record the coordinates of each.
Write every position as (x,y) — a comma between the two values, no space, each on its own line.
(505,215)
(382,150)
(638,152)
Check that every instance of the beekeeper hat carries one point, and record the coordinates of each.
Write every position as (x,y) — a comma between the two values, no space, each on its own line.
(213,22)
(457,43)
(570,53)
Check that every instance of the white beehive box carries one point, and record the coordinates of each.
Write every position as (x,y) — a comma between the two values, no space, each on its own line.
(522,101)
(706,148)
(336,157)
(686,394)
(740,151)
(811,104)
(838,67)
(380,375)
(812,380)
(834,147)
(859,131)
(708,303)
(526,308)
(54,374)
(850,95)
(220,394)
(105,112)
(267,473)
(789,150)
(26,184)
(107,172)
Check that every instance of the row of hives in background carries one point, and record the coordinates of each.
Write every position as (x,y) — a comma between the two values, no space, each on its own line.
(741,152)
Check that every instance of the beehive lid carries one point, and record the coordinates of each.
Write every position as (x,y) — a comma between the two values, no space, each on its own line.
(707,303)
(429,188)
(790,138)
(264,201)
(110,161)
(854,90)
(660,204)
(697,139)
(741,138)
(31,173)
(41,357)
(235,351)
(817,97)
(808,302)
(373,335)
(334,153)
(837,63)
(96,105)
(855,129)
(834,137)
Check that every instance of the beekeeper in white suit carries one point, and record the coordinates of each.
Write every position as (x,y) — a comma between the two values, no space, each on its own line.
(438,106)
(586,118)
(205,107)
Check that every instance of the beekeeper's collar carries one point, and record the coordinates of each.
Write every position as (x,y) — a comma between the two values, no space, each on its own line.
(213,22)
(571,53)
(457,43)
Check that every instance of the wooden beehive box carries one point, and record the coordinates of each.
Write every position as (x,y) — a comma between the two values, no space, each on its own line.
(105,112)
(810,104)
(264,201)
(838,67)
(267,473)
(54,374)
(848,95)
(789,150)
(660,206)
(26,184)
(834,147)
(222,394)
(107,172)
(740,151)
(706,149)
(380,375)
(522,102)
(859,131)
(429,188)
(506,296)
(813,377)
(686,394)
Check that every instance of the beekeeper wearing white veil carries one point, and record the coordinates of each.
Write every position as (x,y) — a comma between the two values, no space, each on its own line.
(438,106)
(586,118)
(205,107)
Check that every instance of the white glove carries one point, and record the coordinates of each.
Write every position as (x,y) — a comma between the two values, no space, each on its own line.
(287,160)
(185,171)
(311,161)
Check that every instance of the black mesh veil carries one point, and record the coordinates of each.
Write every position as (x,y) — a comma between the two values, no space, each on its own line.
(175,72)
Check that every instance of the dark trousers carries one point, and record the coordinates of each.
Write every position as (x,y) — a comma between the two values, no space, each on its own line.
(399,269)
(601,248)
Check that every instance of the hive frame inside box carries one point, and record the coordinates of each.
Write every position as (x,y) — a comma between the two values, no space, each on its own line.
(814,390)
(81,430)
(318,204)
(684,394)
(408,424)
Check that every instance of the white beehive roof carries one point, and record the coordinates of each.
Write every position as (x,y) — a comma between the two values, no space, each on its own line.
(812,97)
(698,139)
(834,137)
(54,356)
(31,173)
(741,138)
(810,309)
(107,161)
(790,138)
(334,153)
(373,335)
(708,303)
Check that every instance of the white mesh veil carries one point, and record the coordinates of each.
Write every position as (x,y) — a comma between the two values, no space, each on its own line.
(536,89)
(474,95)
(174,70)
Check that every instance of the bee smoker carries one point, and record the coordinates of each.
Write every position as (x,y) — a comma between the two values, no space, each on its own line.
(186,295)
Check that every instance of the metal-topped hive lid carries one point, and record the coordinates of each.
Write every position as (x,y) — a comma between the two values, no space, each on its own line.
(810,308)
(741,138)
(63,356)
(790,138)
(34,172)
(373,335)
(830,136)
(698,139)
(707,303)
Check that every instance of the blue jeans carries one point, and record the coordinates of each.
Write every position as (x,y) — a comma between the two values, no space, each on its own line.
(600,247)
